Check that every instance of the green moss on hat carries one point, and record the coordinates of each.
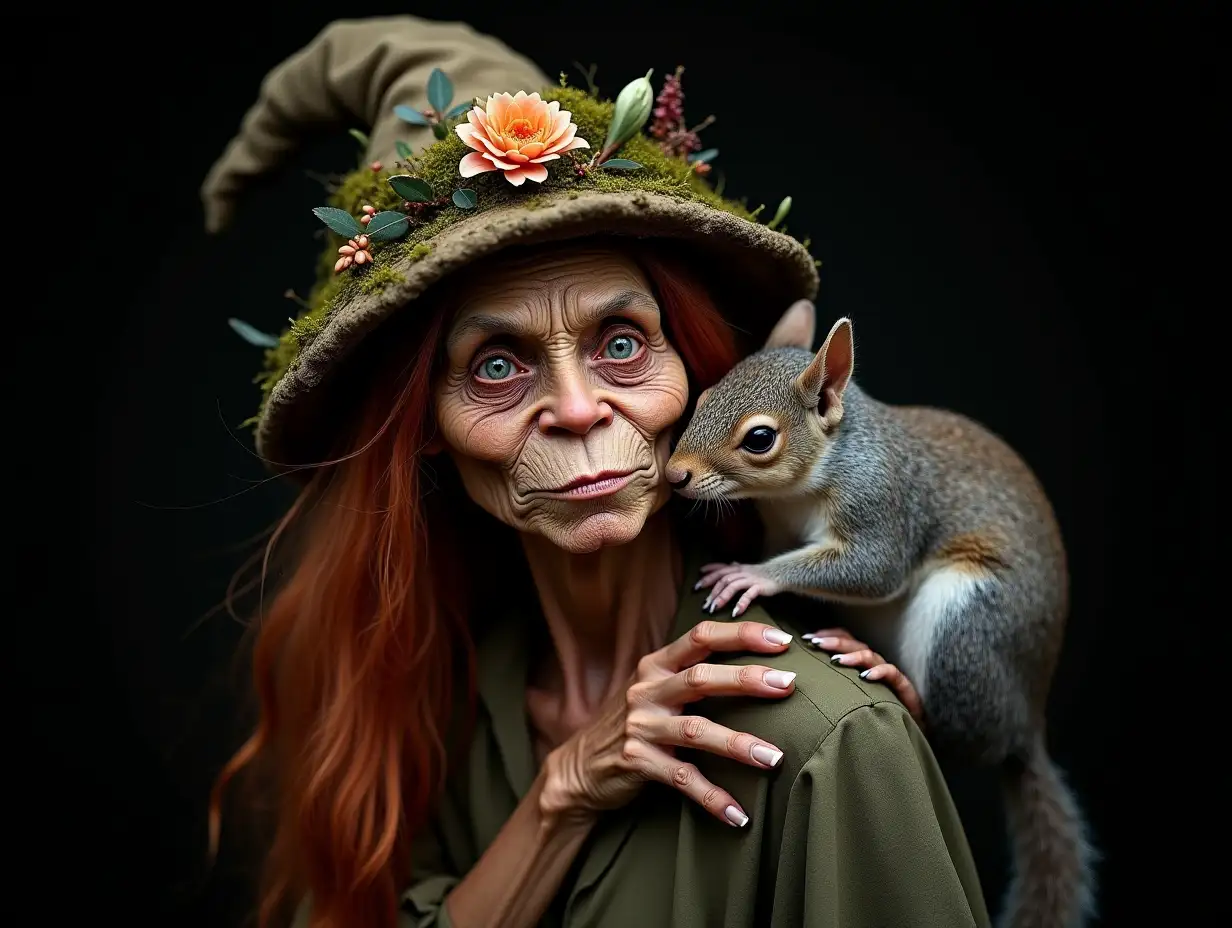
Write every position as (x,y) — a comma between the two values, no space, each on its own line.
(570,176)
(512,170)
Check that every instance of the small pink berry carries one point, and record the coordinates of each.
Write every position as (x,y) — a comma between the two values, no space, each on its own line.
(370,210)
(364,220)
(362,241)
(376,165)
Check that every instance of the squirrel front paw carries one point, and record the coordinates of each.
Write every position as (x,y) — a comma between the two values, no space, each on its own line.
(730,579)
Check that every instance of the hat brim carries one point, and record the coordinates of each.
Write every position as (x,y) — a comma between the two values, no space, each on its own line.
(753,272)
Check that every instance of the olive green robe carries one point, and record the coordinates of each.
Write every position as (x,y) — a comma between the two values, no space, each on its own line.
(855,827)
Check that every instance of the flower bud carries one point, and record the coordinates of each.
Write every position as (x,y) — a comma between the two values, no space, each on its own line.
(633,106)
(780,214)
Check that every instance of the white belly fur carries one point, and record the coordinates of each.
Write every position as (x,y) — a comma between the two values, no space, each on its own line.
(903,630)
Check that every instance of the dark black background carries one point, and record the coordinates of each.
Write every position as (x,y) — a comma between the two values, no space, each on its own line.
(997,198)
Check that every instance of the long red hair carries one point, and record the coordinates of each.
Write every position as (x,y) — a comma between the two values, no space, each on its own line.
(363,657)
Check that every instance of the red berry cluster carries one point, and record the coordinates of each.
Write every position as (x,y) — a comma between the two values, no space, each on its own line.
(668,125)
(669,107)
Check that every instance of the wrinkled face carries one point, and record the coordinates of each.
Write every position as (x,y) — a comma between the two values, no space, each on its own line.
(751,435)
(558,395)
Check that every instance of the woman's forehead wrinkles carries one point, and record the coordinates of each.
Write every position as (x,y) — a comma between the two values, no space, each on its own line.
(550,305)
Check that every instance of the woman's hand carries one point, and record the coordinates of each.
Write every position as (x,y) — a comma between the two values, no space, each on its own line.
(605,765)
(852,653)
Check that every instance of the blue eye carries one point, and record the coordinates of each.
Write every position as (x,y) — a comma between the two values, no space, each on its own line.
(620,347)
(496,368)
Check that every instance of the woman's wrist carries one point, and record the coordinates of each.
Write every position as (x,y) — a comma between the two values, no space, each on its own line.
(516,878)
(561,799)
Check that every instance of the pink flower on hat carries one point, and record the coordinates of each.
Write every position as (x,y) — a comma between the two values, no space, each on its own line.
(516,135)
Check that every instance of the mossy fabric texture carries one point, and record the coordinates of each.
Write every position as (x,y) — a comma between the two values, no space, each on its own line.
(757,271)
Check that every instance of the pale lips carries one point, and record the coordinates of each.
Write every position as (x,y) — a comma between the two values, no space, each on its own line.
(604,483)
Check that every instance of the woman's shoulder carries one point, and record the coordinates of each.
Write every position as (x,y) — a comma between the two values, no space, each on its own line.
(825,696)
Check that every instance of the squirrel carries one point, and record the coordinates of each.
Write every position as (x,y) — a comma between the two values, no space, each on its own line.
(936,534)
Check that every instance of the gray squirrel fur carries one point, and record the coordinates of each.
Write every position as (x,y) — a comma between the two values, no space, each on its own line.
(938,543)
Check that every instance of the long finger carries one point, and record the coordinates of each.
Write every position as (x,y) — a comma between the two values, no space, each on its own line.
(707,637)
(861,658)
(830,633)
(656,764)
(701,681)
(839,644)
(903,688)
(694,731)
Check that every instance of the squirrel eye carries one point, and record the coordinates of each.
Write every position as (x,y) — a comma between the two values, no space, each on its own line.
(759,440)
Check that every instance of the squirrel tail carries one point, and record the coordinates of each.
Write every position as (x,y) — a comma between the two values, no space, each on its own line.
(1053,884)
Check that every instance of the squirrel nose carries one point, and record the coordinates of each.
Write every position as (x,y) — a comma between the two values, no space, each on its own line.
(678,478)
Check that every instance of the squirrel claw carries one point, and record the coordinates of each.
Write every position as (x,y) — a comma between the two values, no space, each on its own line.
(732,579)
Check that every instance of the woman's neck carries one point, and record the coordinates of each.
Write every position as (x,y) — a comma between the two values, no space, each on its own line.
(603,612)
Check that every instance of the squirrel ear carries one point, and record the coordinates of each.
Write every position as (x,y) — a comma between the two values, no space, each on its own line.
(796,329)
(829,372)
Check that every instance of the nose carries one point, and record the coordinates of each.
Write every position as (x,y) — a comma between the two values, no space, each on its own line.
(677,477)
(575,407)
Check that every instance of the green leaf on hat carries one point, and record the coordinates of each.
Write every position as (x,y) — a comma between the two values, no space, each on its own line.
(440,90)
(387,225)
(404,150)
(465,198)
(339,220)
(414,117)
(440,130)
(252,335)
(412,188)
(780,214)
(459,110)
(620,164)
(704,156)
(359,137)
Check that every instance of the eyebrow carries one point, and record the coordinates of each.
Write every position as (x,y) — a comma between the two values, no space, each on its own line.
(501,325)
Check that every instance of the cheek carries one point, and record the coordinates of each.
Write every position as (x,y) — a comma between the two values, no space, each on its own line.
(493,430)
(659,400)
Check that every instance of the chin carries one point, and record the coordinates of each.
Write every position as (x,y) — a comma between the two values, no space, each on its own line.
(607,528)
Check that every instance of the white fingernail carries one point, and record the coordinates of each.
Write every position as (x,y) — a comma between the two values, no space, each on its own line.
(779,678)
(697,585)
(826,642)
(736,817)
(774,636)
(768,756)
(837,659)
